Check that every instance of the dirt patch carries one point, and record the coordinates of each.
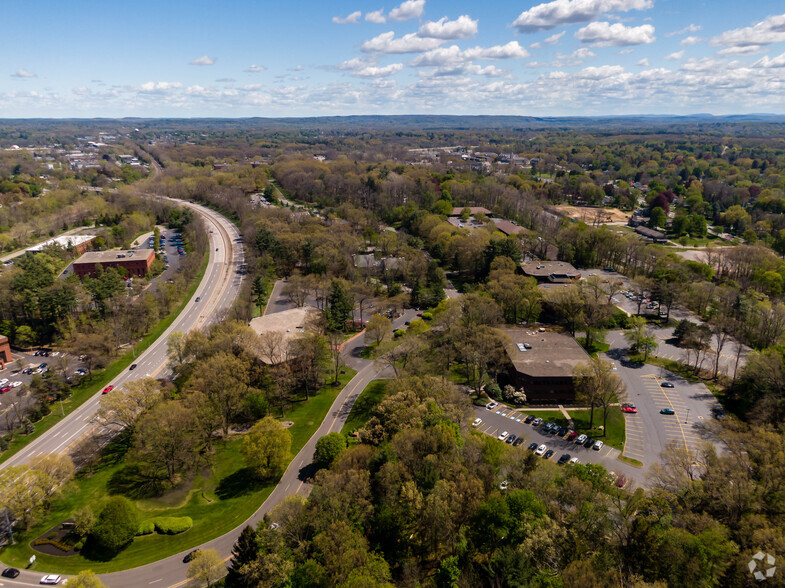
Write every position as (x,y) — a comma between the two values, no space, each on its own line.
(589,214)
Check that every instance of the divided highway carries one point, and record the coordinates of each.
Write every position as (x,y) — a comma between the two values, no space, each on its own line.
(216,292)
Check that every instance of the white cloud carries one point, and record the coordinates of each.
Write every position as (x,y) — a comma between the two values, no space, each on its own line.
(408,9)
(511,50)
(453,56)
(377,16)
(605,34)
(350,19)
(769,30)
(203,60)
(748,50)
(559,12)
(643,62)
(411,43)
(687,41)
(460,28)
(626,51)
(358,67)
(225,80)
(778,61)
(691,28)
(255,68)
(158,87)
(23,74)
(553,39)
(583,53)
(675,56)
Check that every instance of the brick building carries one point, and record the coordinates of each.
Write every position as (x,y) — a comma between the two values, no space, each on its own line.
(136,262)
(5,352)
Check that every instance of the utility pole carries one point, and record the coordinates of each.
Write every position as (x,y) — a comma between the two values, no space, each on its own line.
(7,525)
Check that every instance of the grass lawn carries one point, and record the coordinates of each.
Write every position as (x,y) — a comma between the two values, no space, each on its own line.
(100,378)
(365,405)
(615,424)
(595,348)
(218,499)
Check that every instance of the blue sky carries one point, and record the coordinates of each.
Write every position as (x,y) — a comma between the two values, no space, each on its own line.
(261,58)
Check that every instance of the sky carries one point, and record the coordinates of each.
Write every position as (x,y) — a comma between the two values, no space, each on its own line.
(240,58)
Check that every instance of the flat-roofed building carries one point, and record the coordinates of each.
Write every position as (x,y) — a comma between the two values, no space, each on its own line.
(651,234)
(551,271)
(78,242)
(458,210)
(136,262)
(543,363)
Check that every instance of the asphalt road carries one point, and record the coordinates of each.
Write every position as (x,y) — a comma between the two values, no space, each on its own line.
(217,291)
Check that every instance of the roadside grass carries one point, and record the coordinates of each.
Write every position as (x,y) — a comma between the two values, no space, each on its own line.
(218,499)
(100,378)
(631,461)
(595,347)
(614,436)
(364,406)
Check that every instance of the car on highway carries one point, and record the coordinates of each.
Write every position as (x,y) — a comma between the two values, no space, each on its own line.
(518,441)
(629,408)
(198,298)
(491,405)
(667,411)
(107,390)
(548,454)
(50,579)
(564,458)
(581,439)
(540,450)
(190,556)
(510,439)
(667,385)
(598,445)
(132,367)
(476,422)
(537,422)
(532,446)
(10,573)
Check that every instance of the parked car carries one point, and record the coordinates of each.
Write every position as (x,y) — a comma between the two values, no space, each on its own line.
(621,481)
(503,436)
(528,419)
(548,454)
(562,432)
(629,408)
(476,422)
(491,405)
(537,422)
(50,579)
(564,458)
(532,446)
(667,385)
(581,439)
(518,441)
(572,435)
(589,442)
(575,460)
(510,439)
(667,411)
(107,389)
(546,428)
(190,556)
(5,389)
(10,573)
(540,450)
(598,445)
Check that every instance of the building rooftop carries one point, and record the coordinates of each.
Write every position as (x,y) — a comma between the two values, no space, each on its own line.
(544,269)
(64,242)
(649,233)
(458,210)
(552,354)
(508,227)
(107,256)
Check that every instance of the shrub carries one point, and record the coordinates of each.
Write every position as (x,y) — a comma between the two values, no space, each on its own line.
(52,535)
(146,528)
(172,525)
(427,316)
(399,333)
(493,391)
(78,545)
(116,526)
(54,543)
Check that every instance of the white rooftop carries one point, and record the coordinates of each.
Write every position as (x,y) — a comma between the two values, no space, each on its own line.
(64,242)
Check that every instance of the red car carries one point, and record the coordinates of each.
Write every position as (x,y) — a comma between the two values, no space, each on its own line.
(629,408)
(572,435)
(4,389)
(107,389)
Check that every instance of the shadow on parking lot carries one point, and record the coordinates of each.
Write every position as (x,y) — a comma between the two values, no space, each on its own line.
(620,355)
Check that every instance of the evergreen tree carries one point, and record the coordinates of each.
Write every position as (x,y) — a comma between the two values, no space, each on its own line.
(339,307)
(244,551)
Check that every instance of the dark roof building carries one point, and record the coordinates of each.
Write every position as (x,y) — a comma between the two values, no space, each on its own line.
(136,262)
(508,227)
(551,271)
(651,234)
(542,363)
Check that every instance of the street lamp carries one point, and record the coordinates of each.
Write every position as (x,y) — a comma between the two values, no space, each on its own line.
(687,418)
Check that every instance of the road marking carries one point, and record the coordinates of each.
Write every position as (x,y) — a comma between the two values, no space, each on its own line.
(158,580)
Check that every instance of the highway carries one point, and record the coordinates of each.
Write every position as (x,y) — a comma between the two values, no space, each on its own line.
(217,291)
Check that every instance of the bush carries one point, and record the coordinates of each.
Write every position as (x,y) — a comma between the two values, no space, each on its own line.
(493,391)
(78,545)
(53,542)
(146,528)
(399,333)
(172,525)
(116,525)
(427,316)
(52,535)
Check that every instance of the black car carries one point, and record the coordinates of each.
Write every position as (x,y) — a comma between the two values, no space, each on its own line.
(10,573)
(554,429)
(563,431)
(518,441)
(667,385)
(548,454)
(528,419)
(546,428)
(589,442)
(532,446)
(510,439)
(564,458)
(133,367)
(190,556)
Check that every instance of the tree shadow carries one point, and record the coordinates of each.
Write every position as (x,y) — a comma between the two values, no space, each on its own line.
(307,472)
(133,482)
(238,483)
(94,552)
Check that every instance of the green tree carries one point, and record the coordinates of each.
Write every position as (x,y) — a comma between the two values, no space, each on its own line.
(244,552)
(85,579)
(657,218)
(207,567)
(449,573)
(339,307)
(267,448)
(378,329)
(116,525)
(24,337)
(328,448)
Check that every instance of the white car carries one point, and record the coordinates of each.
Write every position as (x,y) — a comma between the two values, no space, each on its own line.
(477,422)
(598,445)
(50,579)
(15,384)
(540,450)
(503,436)
(575,460)
(3,382)
(491,405)
(581,439)
(504,485)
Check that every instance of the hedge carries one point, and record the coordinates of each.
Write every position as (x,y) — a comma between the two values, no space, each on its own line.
(146,527)
(55,543)
(172,525)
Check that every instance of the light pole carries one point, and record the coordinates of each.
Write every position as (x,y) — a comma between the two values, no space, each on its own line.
(688,416)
